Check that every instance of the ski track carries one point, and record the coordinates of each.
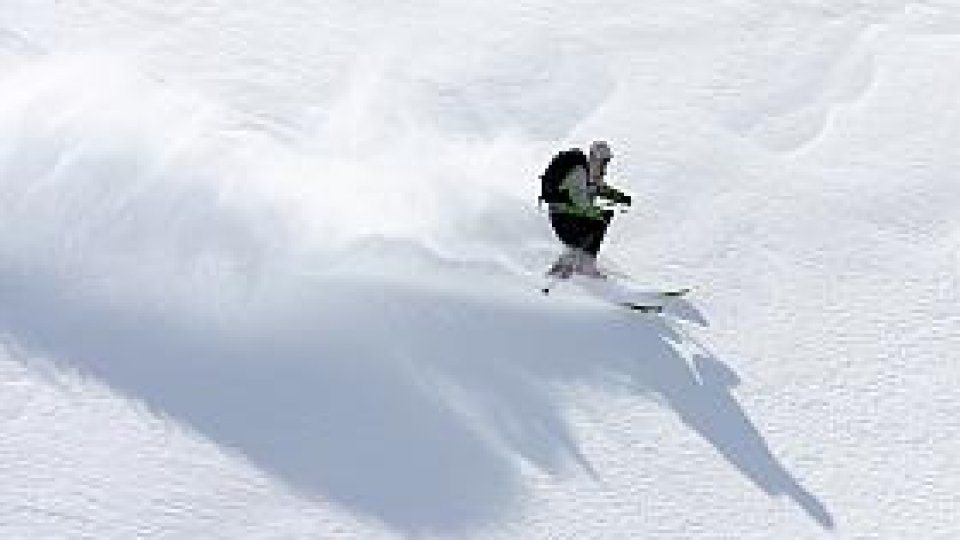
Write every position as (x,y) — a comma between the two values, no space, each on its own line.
(274,273)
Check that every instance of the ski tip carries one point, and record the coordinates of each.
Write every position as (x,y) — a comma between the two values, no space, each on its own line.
(643,308)
(678,292)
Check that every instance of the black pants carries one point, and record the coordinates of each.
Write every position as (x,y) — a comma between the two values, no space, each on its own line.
(579,232)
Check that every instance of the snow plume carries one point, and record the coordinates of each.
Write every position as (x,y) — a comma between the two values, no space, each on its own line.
(113,180)
(123,188)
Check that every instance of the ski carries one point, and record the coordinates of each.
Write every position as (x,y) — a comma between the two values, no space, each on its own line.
(676,293)
(555,279)
(642,308)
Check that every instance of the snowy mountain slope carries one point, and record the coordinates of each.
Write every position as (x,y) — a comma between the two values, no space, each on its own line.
(272,272)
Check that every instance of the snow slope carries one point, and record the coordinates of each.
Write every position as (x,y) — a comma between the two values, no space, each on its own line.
(272,271)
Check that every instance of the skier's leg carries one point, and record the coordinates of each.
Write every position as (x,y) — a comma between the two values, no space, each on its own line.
(570,233)
(595,231)
(564,264)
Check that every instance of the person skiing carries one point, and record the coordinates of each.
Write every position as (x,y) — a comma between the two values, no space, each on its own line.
(578,221)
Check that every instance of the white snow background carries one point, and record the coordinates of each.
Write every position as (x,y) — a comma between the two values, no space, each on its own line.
(271,270)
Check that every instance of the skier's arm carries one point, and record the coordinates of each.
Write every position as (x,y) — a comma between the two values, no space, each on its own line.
(615,195)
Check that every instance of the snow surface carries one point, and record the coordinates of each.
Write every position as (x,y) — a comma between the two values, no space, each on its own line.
(271,270)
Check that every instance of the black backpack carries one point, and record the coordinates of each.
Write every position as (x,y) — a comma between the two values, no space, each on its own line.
(557,170)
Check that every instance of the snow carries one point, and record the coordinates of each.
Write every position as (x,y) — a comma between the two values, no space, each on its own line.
(273,271)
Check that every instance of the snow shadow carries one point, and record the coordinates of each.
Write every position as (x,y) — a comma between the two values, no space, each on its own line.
(702,398)
(413,406)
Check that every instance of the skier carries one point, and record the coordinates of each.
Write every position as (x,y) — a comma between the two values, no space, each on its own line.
(571,186)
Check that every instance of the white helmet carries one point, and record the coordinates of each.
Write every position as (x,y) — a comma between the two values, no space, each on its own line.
(600,151)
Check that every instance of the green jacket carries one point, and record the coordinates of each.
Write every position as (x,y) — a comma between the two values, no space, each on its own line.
(583,196)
